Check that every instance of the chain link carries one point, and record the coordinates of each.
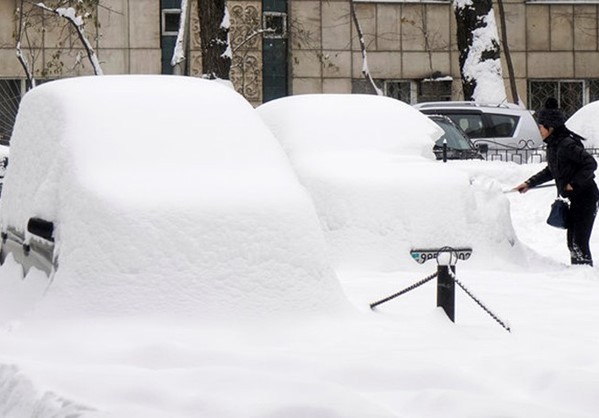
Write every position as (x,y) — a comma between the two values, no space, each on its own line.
(479,303)
(406,290)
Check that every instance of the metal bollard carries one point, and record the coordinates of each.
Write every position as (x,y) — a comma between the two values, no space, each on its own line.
(446,258)
(445,150)
(446,290)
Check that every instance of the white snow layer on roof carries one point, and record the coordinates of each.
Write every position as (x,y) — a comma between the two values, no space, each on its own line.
(377,198)
(584,122)
(318,125)
(168,195)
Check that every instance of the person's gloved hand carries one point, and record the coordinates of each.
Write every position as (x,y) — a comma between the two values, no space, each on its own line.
(522,188)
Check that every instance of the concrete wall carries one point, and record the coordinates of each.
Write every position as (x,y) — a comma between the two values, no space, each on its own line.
(126,39)
(546,41)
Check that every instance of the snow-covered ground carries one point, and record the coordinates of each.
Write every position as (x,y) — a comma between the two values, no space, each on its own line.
(336,358)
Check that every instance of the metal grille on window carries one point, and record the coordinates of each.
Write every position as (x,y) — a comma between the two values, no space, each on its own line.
(400,90)
(539,92)
(10,96)
(362,86)
(433,90)
(593,90)
(569,94)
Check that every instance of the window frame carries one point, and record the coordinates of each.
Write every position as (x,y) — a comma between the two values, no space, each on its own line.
(413,87)
(274,35)
(163,14)
(8,118)
(585,89)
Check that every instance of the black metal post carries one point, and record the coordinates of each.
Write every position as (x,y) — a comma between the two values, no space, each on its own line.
(444,150)
(446,290)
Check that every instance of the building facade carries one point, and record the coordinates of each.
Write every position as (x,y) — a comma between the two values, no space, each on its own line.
(284,47)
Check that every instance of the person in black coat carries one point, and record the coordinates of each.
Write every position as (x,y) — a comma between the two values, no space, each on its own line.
(573,170)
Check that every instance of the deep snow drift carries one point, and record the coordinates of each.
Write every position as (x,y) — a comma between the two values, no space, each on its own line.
(403,360)
(584,122)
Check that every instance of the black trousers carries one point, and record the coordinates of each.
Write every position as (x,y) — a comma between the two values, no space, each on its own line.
(583,210)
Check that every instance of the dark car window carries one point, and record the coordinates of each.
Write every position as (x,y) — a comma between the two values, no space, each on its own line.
(502,125)
(455,138)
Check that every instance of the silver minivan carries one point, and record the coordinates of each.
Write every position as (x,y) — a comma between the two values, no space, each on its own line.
(503,126)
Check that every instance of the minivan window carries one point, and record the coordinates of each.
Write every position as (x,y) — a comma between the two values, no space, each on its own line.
(502,125)
(471,123)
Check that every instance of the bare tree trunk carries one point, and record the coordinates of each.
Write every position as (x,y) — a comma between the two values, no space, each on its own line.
(508,56)
(365,70)
(214,35)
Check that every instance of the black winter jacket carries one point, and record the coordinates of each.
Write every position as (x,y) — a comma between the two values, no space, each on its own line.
(567,163)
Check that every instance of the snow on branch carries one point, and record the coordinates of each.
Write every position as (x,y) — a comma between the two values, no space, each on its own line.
(365,69)
(20,55)
(77,22)
(179,54)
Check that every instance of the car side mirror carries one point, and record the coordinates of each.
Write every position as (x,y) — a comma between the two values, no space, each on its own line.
(41,228)
(483,148)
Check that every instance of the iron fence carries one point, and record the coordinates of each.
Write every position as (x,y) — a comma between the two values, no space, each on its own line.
(526,153)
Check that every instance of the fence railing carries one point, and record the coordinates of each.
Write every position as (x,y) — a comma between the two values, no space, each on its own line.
(526,153)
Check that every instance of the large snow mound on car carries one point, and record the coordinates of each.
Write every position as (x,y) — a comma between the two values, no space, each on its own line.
(334,124)
(363,159)
(584,122)
(168,194)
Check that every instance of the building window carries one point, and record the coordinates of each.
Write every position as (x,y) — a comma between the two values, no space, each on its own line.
(274,25)
(170,21)
(10,97)
(570,94)
(404,90)
(363,86)
(435,90)
(593,90)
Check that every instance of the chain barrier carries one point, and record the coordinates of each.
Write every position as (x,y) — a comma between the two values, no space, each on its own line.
(479,303)
(406,290)
(454,256)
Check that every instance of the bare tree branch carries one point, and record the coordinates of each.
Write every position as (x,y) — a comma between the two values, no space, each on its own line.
(179,53)
(365,70)
(20,56)
(508,55)
(78,24)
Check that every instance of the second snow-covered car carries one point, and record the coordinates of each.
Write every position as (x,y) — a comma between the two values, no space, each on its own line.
(368,163)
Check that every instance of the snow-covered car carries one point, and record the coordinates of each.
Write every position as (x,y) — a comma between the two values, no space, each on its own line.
(368,163)
(118,185)
(499,126)
(584,122)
